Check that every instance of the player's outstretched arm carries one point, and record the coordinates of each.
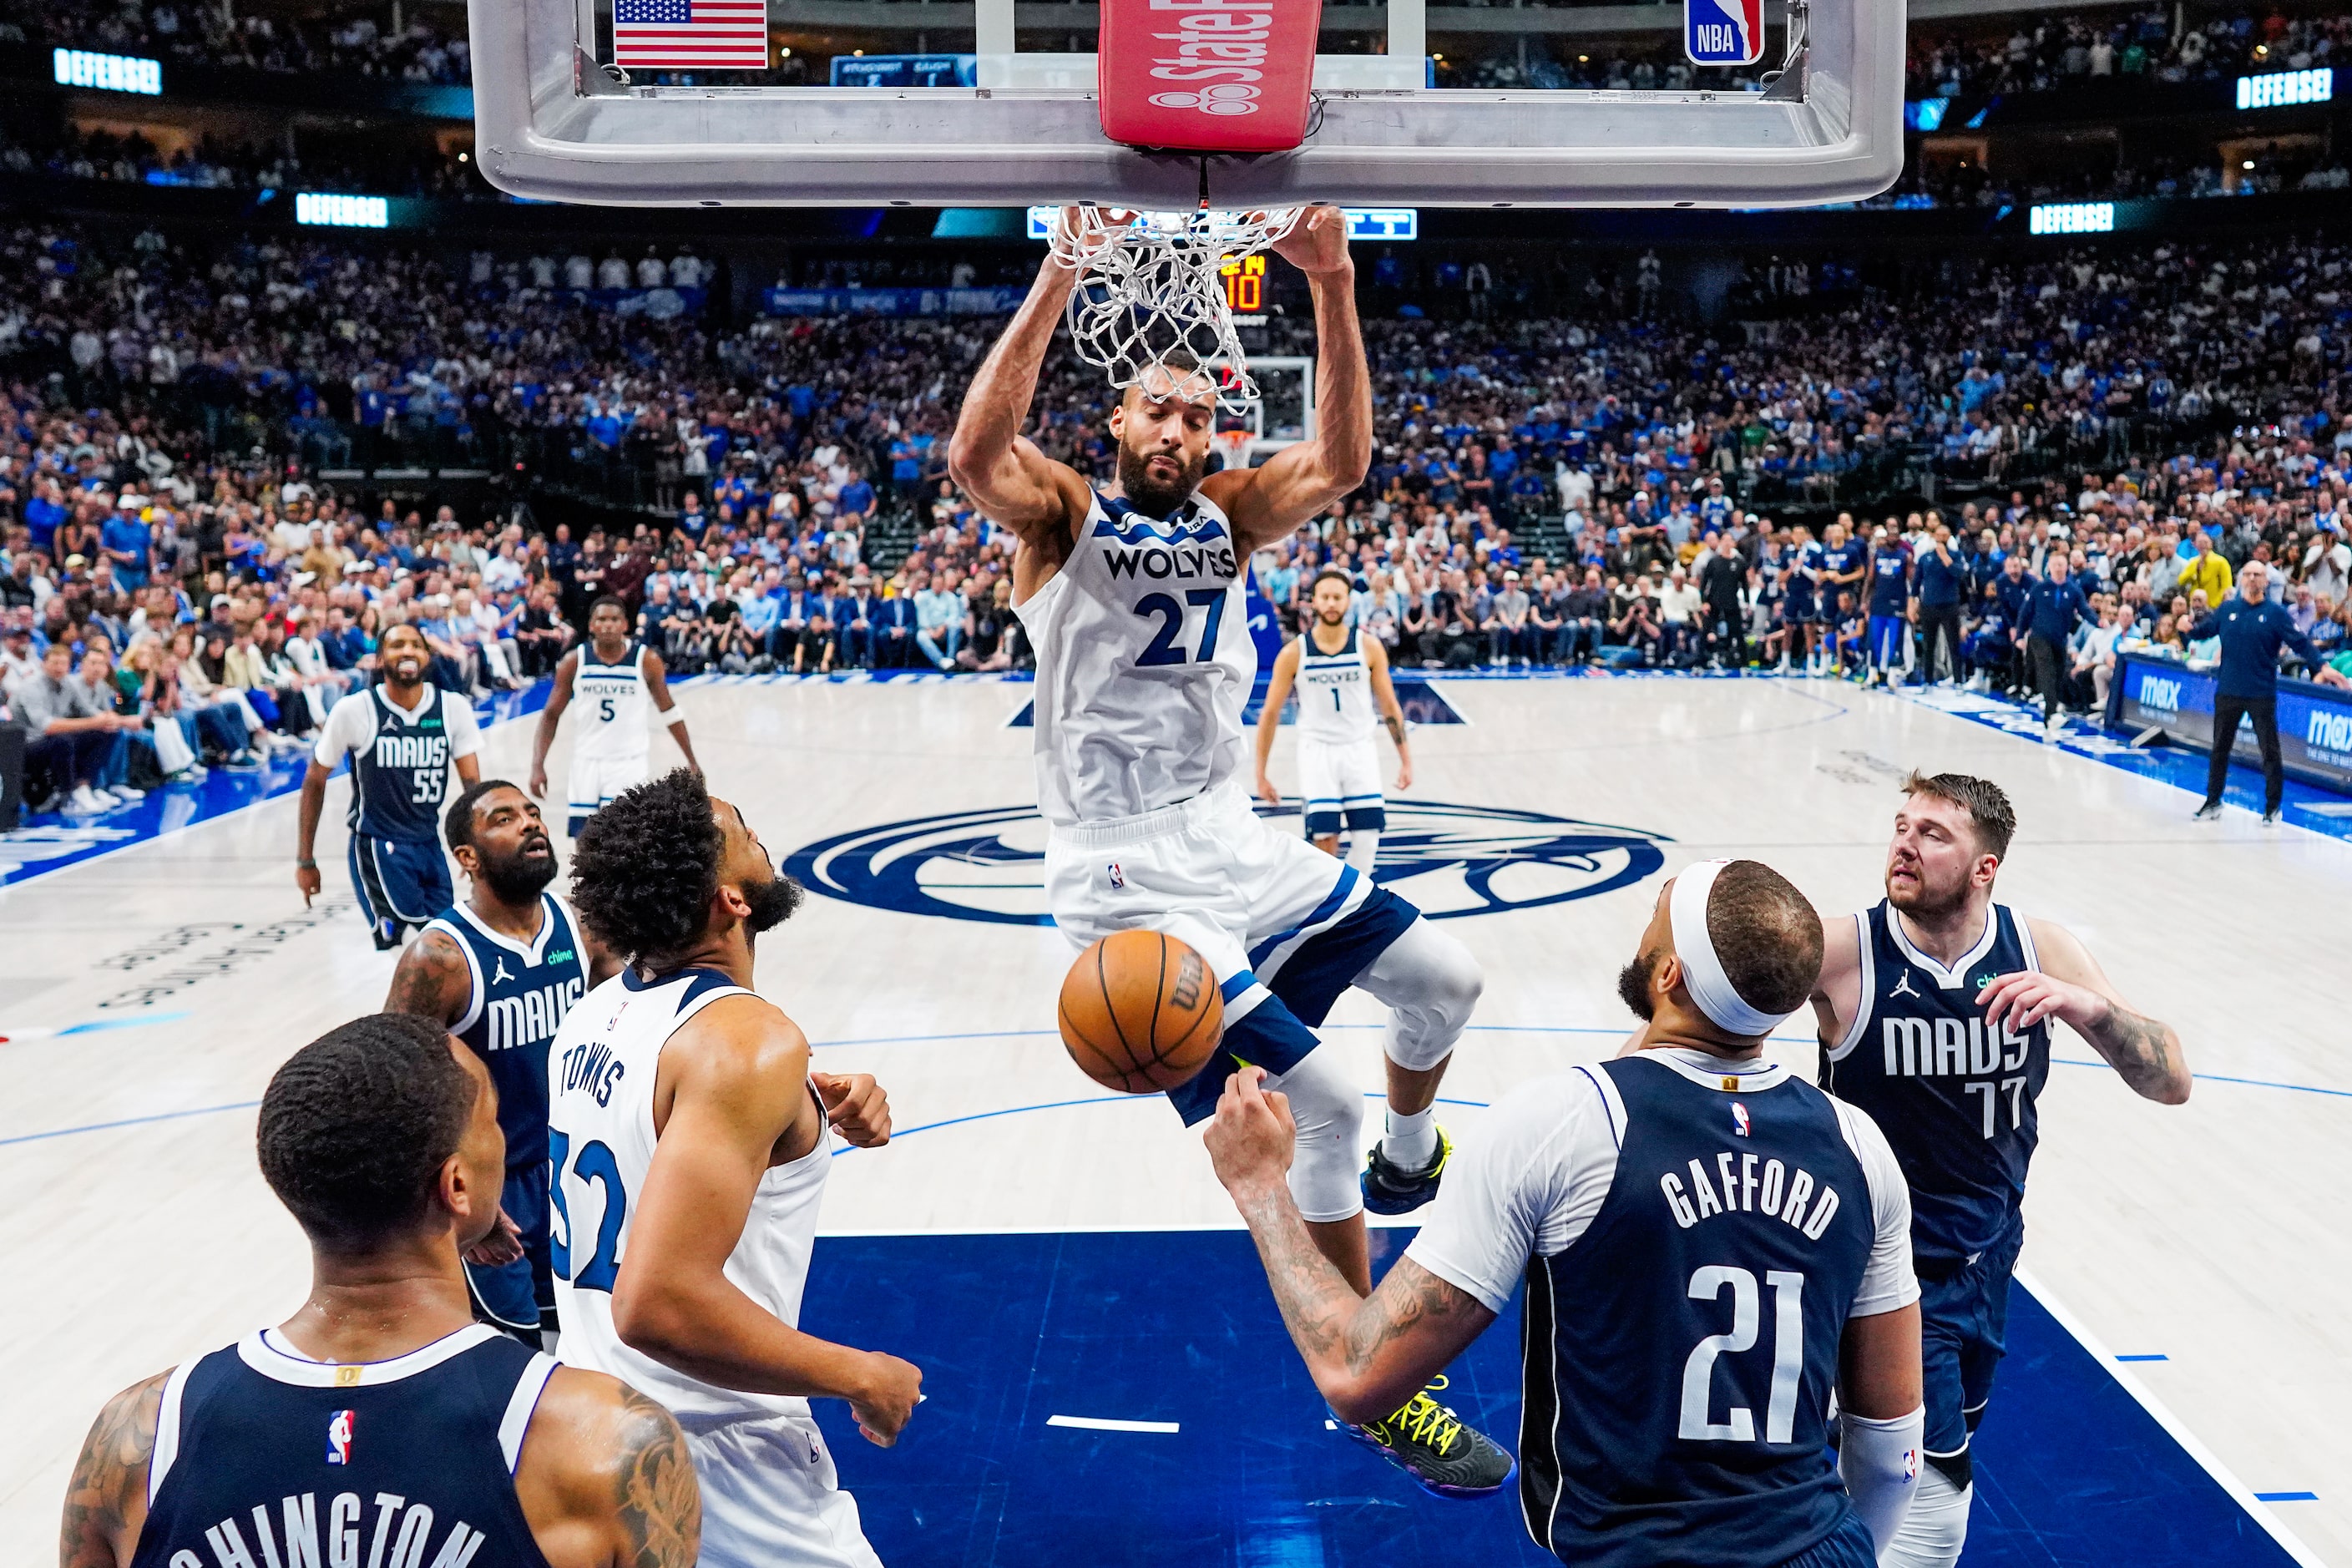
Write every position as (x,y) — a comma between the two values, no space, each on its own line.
(559,698)
(1267,503)
(736,1081)
(1269,717)
(2071,987)
(1376,665)
(1015,483)
(106,1501)
(657,688)
(1367,1354)
(605,1479)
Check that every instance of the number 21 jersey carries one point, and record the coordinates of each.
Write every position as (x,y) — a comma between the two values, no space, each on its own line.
(1144,659)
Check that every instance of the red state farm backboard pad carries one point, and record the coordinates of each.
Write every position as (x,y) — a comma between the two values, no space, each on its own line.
(1207,76)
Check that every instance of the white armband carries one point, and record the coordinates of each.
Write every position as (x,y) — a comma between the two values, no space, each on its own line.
(1879,1461)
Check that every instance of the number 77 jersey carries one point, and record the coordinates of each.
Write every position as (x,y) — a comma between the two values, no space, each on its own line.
(1144,661)
(1955,1096)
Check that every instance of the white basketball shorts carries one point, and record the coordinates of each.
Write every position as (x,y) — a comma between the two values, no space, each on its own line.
(770,1498)
(1342,786)
(596,781)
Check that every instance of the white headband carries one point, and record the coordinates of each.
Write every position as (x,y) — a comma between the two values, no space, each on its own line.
(1703,975)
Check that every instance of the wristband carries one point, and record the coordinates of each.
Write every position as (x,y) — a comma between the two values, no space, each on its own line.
(306,864)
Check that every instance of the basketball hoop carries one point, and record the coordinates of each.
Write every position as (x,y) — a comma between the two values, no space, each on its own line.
(1149,294)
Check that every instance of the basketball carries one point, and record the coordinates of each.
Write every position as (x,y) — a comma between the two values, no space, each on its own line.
(1141,1011)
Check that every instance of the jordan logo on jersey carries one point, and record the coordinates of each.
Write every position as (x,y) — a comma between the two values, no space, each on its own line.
(1903,987)
(503,974)
(339,1436)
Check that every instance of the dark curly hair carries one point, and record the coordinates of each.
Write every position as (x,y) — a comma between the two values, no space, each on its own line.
(357,1124)
(645,868)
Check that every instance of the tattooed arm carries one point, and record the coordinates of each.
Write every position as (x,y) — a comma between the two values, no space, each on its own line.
(1367,1354)
(106,1502)
(431,980)
(2070,985)
(606,1480)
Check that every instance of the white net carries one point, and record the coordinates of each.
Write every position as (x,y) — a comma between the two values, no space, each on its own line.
(1150,296)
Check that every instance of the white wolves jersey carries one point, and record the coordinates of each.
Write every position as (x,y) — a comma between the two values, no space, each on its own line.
(600,1144)
(609,702)
(1144,660)
(1335,693)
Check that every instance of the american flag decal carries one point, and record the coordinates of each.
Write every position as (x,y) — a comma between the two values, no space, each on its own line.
(690,35)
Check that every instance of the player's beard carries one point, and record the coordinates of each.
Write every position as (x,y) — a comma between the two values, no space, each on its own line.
(771,902)
(1634,984)
(1148,495)
(521,877)
(1923,900)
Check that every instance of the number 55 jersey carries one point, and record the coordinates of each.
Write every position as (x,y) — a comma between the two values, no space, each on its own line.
(1695,1234)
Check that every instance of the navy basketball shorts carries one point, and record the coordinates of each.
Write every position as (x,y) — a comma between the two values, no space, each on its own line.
(1963,1329)
(521,1295)
(1847,1546)
(400,882)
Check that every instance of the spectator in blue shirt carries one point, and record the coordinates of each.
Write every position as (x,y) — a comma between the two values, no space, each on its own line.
(856,501)
(938,620)
(2053,607)
(2251,630)
(130,543)
(43,515)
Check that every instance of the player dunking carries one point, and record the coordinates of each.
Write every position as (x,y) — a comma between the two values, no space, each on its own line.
(380,1422)
(689,1143)
(404,735)
(616,678)
(1133,598)
(499,971)
(1935,1009)
(1341,675)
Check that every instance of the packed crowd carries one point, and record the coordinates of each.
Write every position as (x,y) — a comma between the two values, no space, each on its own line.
(351,40)
(2160,44)
(383,166)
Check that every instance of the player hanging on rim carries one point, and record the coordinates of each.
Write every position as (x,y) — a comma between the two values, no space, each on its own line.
(616,679)
(1935,1011)
(404,735)
(1341,675)
(1133,598)
(499,969)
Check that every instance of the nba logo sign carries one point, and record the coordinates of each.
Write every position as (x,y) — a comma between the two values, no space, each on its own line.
(1723,32)
(339,1437)
(1739,1120)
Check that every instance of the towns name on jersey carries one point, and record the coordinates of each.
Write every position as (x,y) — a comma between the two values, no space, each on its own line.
(1753,1186)
(528,1019)
(1160,562)
(1948,1048)
(594,1068)
(400,1536)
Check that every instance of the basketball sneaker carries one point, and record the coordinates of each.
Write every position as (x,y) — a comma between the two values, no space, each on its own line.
(1389,1188)
(1428,1442)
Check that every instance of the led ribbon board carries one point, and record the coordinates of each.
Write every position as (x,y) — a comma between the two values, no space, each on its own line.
(2281,89)
(1207,76)
(107,73)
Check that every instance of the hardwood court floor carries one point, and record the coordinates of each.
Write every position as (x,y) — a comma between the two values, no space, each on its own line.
(139,1231)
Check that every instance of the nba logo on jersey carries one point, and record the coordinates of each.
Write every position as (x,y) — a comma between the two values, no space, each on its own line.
(1723,32)
(339,1437)
(1739,1122)
(1118,878)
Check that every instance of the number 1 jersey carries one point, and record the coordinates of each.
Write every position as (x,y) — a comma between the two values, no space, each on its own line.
(1144,660)
(1694,1236)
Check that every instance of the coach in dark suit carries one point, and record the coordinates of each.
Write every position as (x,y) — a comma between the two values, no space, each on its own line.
(894,632)
(2251,630)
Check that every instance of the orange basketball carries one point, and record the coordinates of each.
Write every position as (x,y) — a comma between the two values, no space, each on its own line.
(1141,1011)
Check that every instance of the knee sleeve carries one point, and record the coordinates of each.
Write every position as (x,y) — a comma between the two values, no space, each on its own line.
(1363,847)
(1430,983)
(1937,1526)
(1328,1113)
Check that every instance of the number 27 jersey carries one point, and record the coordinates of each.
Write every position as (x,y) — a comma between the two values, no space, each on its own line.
(1144,660)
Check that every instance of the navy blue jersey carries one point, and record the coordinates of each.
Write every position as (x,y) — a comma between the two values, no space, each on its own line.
(1680,1355)
(1955,1099)
(1837,560)
(262,1456)
(521,993)
(1890,579)
(1797,585)
(400,778)
(1940,581)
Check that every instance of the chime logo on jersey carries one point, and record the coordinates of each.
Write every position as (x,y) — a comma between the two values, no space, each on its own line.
(339,1437)
(1451,860)
(1723,32)
(1739,1122)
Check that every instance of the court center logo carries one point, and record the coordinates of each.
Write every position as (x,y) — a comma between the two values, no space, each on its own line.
(1451,860)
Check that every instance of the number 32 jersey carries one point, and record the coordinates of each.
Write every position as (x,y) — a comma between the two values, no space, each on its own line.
(1693,1234)
(1144,660)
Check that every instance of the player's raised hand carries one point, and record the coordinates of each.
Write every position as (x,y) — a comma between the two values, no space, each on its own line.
(1253,1137)
(2026,996)
(856,1106)
(890,1390)
(1317,242)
